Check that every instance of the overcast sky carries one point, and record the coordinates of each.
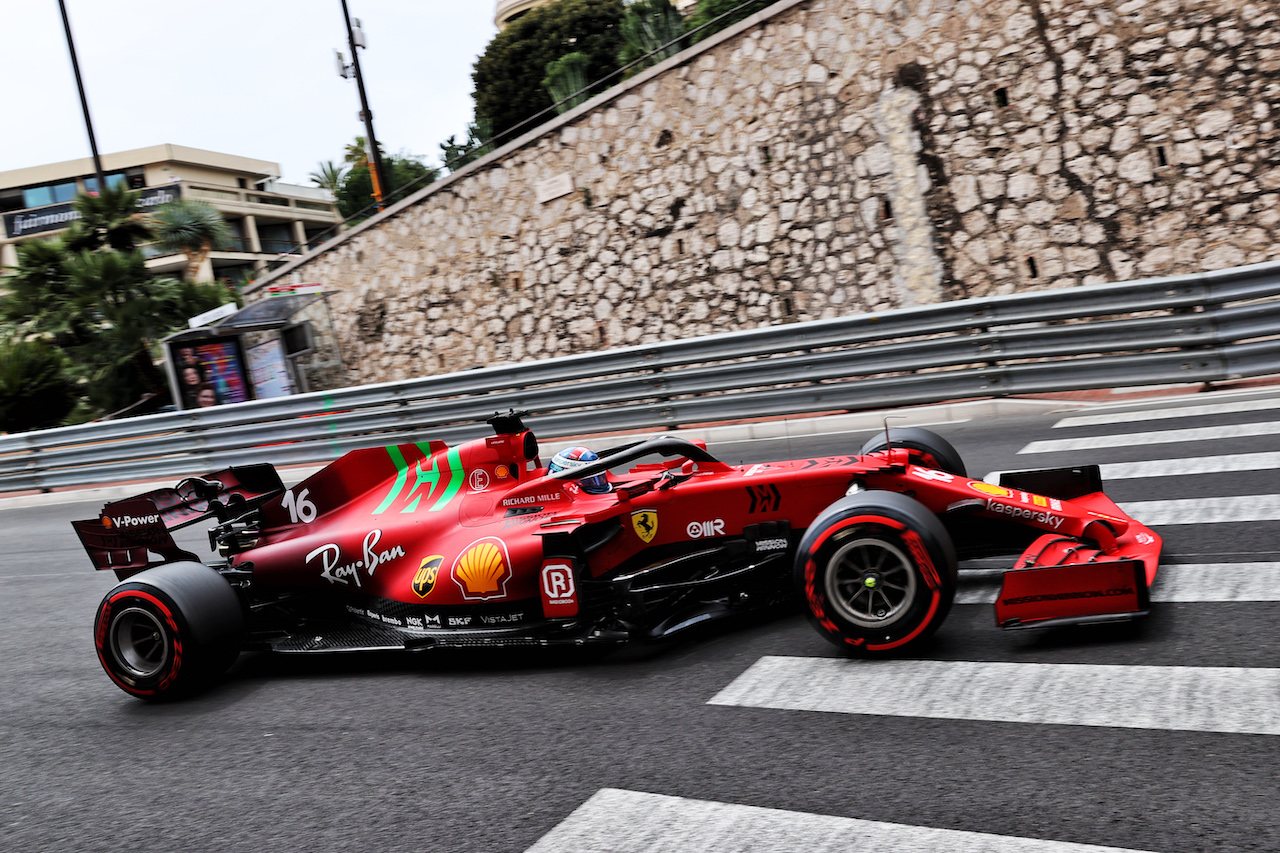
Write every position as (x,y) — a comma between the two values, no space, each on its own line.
(256,78)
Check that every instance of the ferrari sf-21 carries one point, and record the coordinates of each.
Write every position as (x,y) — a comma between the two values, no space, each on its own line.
(424,546)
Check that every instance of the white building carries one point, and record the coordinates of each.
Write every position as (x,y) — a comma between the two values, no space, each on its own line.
(271,221)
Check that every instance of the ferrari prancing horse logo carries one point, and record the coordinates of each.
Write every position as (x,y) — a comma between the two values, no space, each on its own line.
(645,524)
(425,579)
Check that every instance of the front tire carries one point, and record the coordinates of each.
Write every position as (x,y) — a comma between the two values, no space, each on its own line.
(926,448)
(877,572)
(168,631)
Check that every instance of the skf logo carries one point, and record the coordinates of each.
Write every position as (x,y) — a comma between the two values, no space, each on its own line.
(645,524)
(483,570)
(559,593)
(424,580)
(701,529)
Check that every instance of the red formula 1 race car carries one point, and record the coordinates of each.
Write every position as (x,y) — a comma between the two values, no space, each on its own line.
(421,546)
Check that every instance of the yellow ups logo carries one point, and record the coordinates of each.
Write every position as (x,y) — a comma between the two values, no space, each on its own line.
(425,579)
(483,570)
(645,524)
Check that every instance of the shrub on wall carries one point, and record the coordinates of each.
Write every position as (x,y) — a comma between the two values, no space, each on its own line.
(36,388)
(732,11)
(508,76)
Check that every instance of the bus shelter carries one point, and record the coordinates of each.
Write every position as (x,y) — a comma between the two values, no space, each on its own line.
(272,348)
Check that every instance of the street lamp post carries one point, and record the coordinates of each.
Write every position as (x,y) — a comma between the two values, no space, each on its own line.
(84,102)
(375,156)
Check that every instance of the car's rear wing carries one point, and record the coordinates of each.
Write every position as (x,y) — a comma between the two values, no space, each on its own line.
(127,532)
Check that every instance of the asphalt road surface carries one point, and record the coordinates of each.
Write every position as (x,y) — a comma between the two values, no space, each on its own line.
(1163,738)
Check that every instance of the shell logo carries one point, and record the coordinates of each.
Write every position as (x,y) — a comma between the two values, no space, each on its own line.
(988,489)
(483,570)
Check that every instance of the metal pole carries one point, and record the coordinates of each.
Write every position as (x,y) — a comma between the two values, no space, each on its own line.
(375,156)
(84,102)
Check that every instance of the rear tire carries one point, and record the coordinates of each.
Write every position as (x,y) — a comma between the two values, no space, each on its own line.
(927,448)
(877,573)
(168,631)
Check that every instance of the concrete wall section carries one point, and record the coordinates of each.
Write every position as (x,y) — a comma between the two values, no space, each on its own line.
(834,157)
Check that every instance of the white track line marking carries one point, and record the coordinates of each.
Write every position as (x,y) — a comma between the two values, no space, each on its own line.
(1205,510)
(615,821)
(1234,407)
(1194,582)
(1230,462)
(1138,439)
(1233,700)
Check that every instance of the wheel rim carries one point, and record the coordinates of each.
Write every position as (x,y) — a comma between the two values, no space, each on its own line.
(870,582)
(139,643)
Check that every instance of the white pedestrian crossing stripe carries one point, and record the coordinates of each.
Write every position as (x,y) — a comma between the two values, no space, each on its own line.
(1196,582)
(1234,700)
(1204,510)
(1210,409)
(616,821)
(1142,439)
(1227,463)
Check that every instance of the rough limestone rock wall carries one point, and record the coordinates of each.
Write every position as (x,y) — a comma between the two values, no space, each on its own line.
(838,156)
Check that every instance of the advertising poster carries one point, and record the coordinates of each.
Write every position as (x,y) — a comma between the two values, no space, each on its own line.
(268,370)
(210,373)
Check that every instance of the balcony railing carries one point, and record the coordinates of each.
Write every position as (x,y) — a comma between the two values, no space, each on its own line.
(256,197)
(241,245)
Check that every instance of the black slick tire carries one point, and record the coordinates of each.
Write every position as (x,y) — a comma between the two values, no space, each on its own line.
(877,573)
(927,448)
(168,631)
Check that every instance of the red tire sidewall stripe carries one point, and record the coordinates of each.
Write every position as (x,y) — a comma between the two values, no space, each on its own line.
(915,544)
(175,637)
(857,519)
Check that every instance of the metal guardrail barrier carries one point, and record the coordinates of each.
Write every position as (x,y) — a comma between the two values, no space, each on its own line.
(1206,327)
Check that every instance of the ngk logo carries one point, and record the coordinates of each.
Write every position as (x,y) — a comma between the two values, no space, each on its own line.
(701,529)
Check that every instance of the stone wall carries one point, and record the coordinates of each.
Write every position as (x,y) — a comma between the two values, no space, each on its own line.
(829,158)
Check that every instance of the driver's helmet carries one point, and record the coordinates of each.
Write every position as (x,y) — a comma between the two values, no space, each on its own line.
(576,457)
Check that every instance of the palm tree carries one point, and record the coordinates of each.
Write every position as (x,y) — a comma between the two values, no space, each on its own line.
(39,297)
(194,228)
(357,153)
(108,218)
(329,176)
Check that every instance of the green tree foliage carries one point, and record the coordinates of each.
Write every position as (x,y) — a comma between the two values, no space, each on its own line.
(108,219)
(566,80)
(194,228)
(39,299)
(733,10)
(101,308)
(508,76)
(356,154)
(36,386)
(403,172)
(647,26)
(477,144)
(328,176)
